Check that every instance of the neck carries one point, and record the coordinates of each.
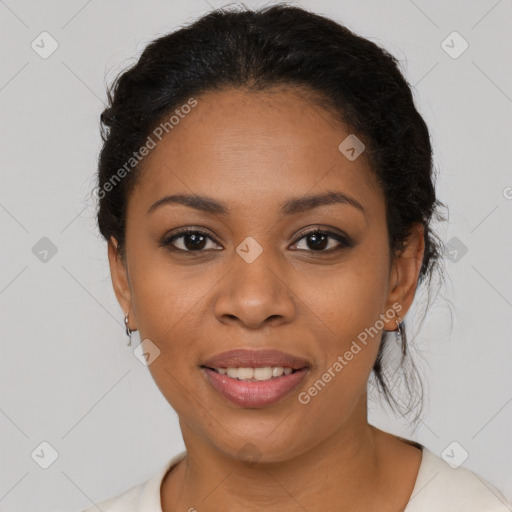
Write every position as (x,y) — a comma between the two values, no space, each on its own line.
(345,469)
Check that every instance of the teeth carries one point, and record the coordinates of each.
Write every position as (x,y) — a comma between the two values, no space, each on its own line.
(277,371)
(259,374)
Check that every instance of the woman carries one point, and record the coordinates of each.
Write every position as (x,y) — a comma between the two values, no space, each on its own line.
(266,192)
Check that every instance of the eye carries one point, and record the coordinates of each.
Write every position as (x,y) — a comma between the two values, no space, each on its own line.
(318,240)
(194,240)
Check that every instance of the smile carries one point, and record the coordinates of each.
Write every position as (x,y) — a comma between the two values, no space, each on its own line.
(254,387)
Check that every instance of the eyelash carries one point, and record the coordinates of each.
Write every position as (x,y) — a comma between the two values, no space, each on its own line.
(343,240)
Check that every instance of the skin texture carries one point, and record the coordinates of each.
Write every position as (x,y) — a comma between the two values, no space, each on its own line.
(253,151)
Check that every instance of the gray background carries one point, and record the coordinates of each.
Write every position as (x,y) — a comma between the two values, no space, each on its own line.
(66,375)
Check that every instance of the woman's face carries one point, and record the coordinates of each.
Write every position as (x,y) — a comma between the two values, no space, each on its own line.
(256,281)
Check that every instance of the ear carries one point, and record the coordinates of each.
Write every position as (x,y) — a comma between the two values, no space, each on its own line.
(120,281)
(404,276)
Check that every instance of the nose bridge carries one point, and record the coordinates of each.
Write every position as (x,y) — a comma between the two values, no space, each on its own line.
(255,269)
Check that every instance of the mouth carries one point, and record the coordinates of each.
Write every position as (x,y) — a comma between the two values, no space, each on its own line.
(255,379)
(255,374)
(251,392)
(261,360)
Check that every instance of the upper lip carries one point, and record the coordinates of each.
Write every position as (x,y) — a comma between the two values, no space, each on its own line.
(246,358)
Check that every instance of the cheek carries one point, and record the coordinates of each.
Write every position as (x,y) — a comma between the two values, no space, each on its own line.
(167,306)
(348,308)
(348,351)
(350,299)
(164,295)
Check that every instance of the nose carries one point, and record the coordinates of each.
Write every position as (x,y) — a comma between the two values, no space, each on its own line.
(255,294)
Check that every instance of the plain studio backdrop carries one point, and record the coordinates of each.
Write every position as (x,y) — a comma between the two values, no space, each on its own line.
(74,397)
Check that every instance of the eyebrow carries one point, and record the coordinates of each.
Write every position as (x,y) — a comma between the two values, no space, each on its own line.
(290,207)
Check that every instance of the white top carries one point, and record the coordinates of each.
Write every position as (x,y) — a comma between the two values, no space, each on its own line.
(438,488)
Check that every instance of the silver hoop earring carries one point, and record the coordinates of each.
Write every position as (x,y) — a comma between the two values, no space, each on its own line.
(128,331)
(400,335)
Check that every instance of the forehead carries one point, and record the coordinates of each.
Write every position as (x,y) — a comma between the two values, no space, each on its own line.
(254,147)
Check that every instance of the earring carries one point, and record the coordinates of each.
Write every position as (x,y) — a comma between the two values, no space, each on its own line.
(400,335)
(128,331)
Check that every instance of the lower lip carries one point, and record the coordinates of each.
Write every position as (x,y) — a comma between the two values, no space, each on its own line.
(255,394)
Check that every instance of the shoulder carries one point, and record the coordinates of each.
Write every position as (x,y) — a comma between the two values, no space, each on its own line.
(445,489)
(126,502)
(144,497)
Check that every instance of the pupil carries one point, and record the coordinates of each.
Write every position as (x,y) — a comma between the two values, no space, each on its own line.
(195,238)
(316,244)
